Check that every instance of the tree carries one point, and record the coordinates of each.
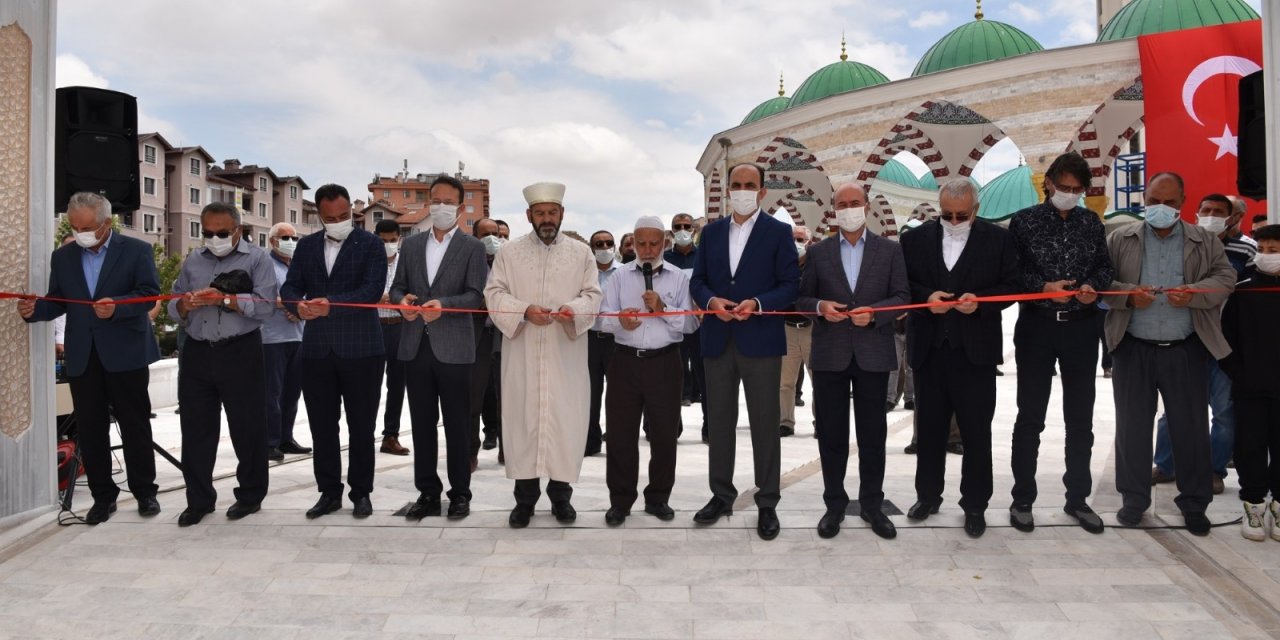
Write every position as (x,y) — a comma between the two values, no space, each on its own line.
(64,229)
(168,266)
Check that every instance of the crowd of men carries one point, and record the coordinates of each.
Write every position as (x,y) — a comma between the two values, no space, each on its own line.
(551,340)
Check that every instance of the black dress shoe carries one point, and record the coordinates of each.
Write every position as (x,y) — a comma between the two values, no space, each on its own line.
(975,524)
(148,507)
(956,448)
(101,512)
(799,401)
(191,516)
(490,443)
(909,405)
(459,508)
(921,510)
(242,509)
(1021,518)
(1088,520)
(786,431)
(520,516)
(325,505)
(880,524)
(423,507)
(829,525)
(890,406)
(1197,523)
(661,511)
(292,446)
(591,451)
(767,525)
(712,512)
(361,507)
(274,454)
(910,449)
(564,512)
(616,516)
(1129,516)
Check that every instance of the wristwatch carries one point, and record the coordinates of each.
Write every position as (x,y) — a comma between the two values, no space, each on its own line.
(226,302)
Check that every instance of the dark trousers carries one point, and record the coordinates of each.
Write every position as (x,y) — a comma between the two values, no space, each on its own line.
(599,350)
(481,392)
(1101,323)
(283,362)
(228,376)
(1258,447)
(691,355)
(529,490)
(948,383)
(97,395)
(831,408)
(1179,375)
(652,387)
(395,380)
(329,385)
(1042,341)
(760,379)
(440,389)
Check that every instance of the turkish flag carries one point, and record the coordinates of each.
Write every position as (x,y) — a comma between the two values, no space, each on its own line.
(1191,81)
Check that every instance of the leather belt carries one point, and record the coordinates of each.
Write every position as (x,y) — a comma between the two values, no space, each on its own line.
(225,342)
(394,320)
(600,335)
(1163,344)
(1062,316)
(647,353)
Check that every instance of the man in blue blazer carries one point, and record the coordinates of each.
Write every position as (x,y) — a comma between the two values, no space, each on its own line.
(747,263)
(341,346)
(108,348)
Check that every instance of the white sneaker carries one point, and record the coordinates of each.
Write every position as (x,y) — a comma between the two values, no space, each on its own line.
(1254,524)
(1275,520)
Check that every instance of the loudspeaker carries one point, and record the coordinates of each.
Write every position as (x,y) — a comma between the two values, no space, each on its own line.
(1251,172)
(96,147)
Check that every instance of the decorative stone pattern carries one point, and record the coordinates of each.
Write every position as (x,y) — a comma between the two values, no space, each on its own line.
(1124,107)
(15,227)
(796,182)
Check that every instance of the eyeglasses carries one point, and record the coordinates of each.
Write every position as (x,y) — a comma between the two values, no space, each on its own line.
(221,234)
(283,238)
(682,227)
(1072,190)
(956,217)
(602,244)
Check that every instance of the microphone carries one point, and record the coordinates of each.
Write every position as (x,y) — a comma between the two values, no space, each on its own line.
(647,270)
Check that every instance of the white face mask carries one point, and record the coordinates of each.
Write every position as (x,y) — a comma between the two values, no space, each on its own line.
(492,244)
(1063,201)
(443,216)
(339,230)
(392,248)
(219,246)
(744,203)
(286,247)
(957,230)
(851,219)
(1212,224)
(1161,216)
(604,256)
(684,237)
(86,239)
(1268,263)
(800,248)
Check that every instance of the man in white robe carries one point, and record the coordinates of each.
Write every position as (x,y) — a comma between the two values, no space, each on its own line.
(543,295)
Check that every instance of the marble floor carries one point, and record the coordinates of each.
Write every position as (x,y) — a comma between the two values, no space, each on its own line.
(277,575)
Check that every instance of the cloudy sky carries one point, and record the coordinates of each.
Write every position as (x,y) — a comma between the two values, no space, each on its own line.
(615,99)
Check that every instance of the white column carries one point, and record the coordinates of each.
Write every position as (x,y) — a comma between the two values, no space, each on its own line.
(1270,83)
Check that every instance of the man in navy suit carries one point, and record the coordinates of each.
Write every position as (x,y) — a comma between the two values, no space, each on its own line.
(747,263)
(341,346)
(954,349)
(108,348)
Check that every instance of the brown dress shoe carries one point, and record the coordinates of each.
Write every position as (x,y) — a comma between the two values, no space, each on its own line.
(391,445)
(1159,477)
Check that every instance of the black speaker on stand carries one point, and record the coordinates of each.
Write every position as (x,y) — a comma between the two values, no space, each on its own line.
(1251,170)
(96,147)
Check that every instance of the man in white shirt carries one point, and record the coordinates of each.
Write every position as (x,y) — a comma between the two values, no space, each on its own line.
(389,232)
(645,374)
(599,341)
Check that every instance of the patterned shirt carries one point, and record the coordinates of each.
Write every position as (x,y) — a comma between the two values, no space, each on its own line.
(1051,248)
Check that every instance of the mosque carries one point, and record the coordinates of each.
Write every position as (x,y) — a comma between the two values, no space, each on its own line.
(982,83)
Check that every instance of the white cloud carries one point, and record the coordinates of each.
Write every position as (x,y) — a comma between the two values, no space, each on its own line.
(70,71)
(928,19)
(1072,21)
(1025,14)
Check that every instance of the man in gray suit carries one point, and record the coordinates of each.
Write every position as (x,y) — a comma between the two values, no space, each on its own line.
(847,277)
(447,269)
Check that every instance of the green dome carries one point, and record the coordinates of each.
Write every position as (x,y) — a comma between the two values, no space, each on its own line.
(767,108)
(898,173)
(1144,17)
(1007,194)
(974,42)
(835,78)
(927,181)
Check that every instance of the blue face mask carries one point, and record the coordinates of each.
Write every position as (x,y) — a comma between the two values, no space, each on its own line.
(1161,216)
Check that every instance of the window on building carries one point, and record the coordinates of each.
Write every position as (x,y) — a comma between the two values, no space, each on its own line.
(262,239)
(195,229)
(471,209)
(149,186)
(422,196)
(149,222)
(386,193)
(262,184)
(406,194)
(377,216)
(196,166)
(195,195)
(293,192)
(293,216)
(262,209)
(405,231)
(469,194)
(149,154)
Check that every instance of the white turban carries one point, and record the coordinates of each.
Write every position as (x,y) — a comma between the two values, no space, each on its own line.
(544,192)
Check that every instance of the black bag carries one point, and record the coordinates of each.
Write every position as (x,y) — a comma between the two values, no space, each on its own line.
(233,282)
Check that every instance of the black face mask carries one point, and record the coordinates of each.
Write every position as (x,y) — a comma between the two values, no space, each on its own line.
(233,282)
